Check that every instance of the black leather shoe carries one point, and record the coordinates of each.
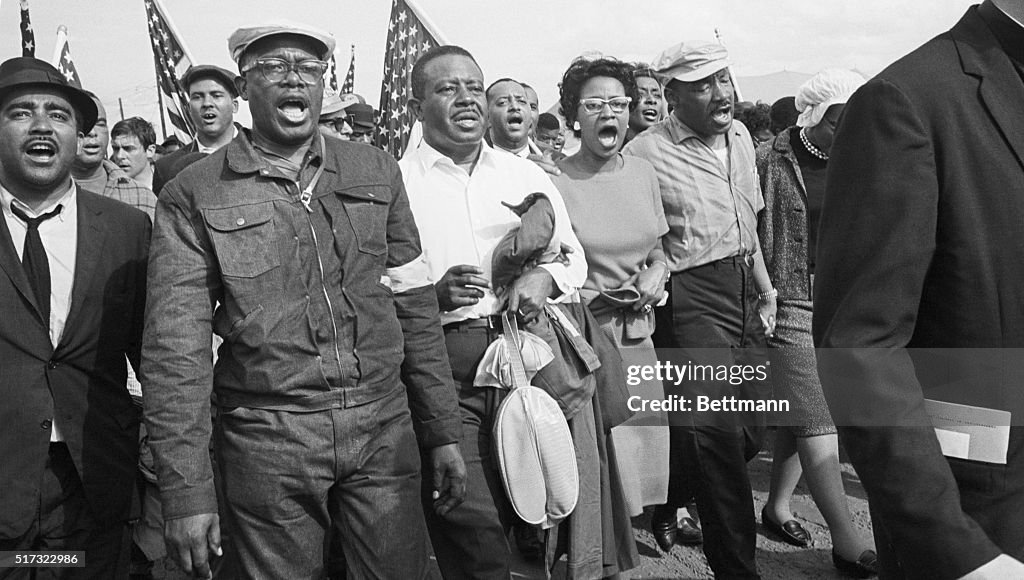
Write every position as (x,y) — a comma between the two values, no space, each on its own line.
(689,533)
(528,542)
(865,566)
(663,526)
(791,531)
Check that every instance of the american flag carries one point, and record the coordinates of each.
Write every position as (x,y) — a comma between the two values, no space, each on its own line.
(171,59)
(62,57)
(409,35)
(349,86)
(331,76)
(28,37)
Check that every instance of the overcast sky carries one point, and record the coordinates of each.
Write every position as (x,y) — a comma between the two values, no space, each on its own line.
(532,40)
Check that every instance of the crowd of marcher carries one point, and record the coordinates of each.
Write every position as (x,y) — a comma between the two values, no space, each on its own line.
(325,343)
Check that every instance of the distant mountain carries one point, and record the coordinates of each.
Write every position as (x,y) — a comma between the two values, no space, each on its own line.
(771,87)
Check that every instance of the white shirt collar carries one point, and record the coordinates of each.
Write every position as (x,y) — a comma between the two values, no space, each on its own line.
(67,200)
(207,150)
(429,157)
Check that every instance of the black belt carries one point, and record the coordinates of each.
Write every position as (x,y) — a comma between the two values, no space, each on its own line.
(742,259)
(492,323)
(737,260)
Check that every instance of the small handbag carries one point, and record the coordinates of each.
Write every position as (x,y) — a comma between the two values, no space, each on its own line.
(534,448)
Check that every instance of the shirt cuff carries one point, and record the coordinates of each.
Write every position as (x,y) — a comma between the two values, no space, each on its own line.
(181,503)
(560,277)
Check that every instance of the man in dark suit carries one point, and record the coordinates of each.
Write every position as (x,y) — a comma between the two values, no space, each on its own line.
(72,288)
(920,247)
(212,104)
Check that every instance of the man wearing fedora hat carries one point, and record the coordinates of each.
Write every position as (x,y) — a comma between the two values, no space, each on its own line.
(722,301)
(212,104)
(72,289)
(301,253)
(361,118)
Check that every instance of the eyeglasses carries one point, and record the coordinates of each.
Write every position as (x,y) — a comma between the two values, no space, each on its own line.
(339,124)
(276,69)
(594,105)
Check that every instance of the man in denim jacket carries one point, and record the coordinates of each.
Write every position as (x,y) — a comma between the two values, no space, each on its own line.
(303,255)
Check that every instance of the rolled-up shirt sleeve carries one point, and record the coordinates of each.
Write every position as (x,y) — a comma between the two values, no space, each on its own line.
(177,358)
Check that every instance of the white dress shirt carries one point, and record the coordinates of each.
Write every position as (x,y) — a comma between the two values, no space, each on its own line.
(59,235)
(461,219)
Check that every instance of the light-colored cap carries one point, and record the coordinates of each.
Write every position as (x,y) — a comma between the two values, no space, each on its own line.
(691,61)
(241,39)
(334,103)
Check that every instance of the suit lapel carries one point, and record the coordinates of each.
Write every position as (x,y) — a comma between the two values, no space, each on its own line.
(91,237)
(11,265)
(1001,89)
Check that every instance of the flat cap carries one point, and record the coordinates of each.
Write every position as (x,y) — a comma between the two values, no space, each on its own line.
(241,39)
(26,71)
(691,61)
(209,71)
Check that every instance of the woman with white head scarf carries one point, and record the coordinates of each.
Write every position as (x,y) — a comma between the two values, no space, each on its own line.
(792,172)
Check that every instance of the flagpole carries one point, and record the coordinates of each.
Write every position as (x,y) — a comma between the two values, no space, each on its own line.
(160,103)
(427,23)
(174,29)
(732,75)
(62,31)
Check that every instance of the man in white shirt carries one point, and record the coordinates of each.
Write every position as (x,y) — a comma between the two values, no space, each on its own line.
(456,185)
(72,293)
(508,115)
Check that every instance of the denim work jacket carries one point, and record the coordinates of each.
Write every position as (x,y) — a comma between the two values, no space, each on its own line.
(323,301)
(782,229)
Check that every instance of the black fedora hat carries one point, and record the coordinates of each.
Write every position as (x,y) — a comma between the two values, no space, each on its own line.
(25,71)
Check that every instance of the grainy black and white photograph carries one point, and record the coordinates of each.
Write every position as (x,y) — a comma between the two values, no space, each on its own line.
(406,289)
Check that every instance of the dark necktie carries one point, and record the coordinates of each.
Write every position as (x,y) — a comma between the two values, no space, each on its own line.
(33,259)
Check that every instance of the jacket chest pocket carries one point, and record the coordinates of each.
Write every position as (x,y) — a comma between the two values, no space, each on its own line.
(367,209)
(244,239)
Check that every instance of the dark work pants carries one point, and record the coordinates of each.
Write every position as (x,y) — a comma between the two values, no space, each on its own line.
(712,318)
(471,541)
(288,477)
(65,522)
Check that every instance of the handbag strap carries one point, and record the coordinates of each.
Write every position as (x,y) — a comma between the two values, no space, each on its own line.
(514,345)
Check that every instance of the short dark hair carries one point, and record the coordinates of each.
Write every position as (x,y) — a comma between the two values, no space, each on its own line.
(140,128)
(487,93)
(419,80)
(580,71)
(783,114)
(172,141)
(757,117)
(548,122)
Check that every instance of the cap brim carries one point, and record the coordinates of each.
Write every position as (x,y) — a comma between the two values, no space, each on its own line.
(84,106)
(216,73)
(696,74)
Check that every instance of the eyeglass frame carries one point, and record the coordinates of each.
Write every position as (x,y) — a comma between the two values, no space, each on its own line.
(337,123)
(594,100)
(290,67)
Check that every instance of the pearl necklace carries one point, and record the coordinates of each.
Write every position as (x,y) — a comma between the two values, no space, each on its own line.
(810,147)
